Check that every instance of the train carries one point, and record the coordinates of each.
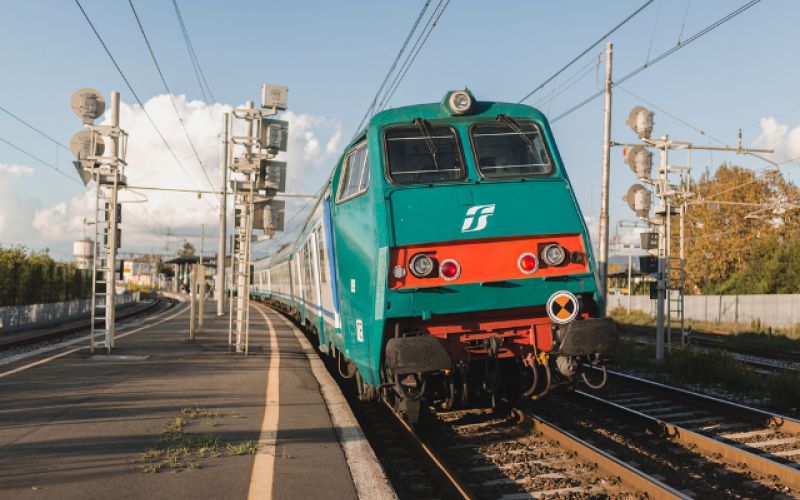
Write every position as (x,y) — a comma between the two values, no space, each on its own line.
(446,262)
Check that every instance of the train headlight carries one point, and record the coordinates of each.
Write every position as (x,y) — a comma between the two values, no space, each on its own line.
(422,265)
(554,254)
(449,270)
(528,263)
(460,102)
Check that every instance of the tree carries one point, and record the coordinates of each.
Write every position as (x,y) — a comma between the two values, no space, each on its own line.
(733,208)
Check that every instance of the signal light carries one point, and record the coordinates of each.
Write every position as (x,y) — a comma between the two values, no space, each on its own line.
(641,121)
(449,270)
(640,159)
(528,263)
(638,199)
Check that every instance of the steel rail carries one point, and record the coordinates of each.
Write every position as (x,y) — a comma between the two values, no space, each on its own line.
(783,422)
(629,475)
(440,464)
(728,453)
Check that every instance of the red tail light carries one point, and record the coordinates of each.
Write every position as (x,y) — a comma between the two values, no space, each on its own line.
(449,270)
(528,263)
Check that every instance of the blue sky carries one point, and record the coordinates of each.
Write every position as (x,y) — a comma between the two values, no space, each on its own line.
(333,55)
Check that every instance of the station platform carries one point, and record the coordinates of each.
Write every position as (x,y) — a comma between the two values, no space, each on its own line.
(163,417)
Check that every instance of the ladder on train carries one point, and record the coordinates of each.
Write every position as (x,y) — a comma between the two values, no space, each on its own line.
(103,271)
(675,277)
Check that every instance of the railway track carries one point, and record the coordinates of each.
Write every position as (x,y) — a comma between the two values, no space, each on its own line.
(81,326)
(750,453)
(522,455)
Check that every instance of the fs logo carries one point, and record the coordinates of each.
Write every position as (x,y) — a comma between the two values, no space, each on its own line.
(476,218)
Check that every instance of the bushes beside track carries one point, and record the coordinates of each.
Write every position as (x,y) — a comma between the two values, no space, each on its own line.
(30,277)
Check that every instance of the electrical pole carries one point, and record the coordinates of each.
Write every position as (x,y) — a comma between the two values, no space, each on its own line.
(201,271)
(223,215)
(602,264)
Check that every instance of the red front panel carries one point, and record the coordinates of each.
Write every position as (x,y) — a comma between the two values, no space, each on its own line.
(485,261)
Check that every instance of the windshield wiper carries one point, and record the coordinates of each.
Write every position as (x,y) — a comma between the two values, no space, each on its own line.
(423,129)
(513,125)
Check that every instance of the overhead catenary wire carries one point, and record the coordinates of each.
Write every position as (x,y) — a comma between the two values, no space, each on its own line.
(135,95)
(169,93)
(389,73)
(433,21)
(586,51)
(38,131)
(660,57)
(198,70)
(46,164)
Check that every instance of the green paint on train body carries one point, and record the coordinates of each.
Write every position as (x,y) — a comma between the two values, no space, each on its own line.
(368,226)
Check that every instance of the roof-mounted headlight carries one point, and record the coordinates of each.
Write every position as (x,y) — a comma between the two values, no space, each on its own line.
(460,102)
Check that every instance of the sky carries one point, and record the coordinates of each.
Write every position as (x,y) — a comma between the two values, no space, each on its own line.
(333,56)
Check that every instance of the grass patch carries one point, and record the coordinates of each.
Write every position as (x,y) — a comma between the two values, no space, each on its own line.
(243,448)
(178,449)
(712,368)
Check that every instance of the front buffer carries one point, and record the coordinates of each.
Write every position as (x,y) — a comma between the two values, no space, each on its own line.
(482,358)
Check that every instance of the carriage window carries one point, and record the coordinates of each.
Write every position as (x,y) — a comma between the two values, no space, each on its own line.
(355,178)
(423,153)
(509,148)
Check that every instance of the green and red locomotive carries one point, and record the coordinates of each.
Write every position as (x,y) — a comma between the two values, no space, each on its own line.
(446,261)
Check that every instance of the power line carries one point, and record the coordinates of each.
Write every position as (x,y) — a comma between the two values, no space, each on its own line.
(412,56)
(50,165)
(586,51)
(393,66)
(169,93)
(12,115)
(671,115)
(660,57)
(135,96)
(198,70)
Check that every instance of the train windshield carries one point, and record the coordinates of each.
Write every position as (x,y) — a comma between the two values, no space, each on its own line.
(510,148)
(423,153)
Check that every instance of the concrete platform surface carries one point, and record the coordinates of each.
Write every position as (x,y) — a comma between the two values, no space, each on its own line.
(163,417)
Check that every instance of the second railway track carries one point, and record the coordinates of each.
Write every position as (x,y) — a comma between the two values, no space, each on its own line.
(704,446)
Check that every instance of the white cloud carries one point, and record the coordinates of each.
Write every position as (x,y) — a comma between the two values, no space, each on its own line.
(150,163)
(780,137)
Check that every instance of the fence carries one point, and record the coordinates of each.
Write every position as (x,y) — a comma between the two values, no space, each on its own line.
(777,311)
(15,318)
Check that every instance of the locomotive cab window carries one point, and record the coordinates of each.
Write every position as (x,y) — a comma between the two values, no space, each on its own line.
(355,177)
(510,148)
(423,153)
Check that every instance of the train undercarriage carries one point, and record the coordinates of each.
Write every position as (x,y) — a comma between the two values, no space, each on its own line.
(484,362)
